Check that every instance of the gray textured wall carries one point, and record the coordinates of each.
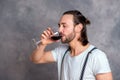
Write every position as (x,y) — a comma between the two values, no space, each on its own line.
(22,20)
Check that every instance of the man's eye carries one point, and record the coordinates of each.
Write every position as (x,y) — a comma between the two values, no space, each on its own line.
(64,26)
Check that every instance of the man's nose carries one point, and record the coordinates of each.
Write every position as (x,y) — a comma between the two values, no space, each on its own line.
(60,29)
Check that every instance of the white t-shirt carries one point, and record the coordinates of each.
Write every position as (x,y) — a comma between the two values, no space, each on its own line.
(72,66)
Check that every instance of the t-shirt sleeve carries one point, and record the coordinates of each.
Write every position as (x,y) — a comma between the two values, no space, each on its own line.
(101,64)
(55,53)
(58,52)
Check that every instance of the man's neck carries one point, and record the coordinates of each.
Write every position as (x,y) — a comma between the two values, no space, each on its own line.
(77,48)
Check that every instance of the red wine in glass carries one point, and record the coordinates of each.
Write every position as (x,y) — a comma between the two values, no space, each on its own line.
(56,37)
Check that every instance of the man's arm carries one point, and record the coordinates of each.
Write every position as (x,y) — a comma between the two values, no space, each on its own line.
(104,76)
(39,55)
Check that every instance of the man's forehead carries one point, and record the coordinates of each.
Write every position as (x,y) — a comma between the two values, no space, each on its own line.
(66,18)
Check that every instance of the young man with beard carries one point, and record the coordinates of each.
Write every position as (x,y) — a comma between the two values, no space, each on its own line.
(80,60)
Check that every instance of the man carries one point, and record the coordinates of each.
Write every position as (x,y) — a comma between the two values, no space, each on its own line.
(71,58)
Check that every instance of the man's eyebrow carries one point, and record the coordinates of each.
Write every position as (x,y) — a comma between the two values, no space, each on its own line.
(61,23)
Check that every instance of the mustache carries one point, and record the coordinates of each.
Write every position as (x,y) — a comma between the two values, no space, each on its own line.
(61,34)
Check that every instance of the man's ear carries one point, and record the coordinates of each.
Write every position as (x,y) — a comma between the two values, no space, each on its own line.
(78,28)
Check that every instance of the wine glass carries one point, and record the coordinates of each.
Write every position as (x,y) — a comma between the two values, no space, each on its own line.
(56,36)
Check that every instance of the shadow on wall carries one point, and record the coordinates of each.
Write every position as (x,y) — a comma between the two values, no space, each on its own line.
(115,44)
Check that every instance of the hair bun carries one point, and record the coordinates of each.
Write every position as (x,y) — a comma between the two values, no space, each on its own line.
(87,22)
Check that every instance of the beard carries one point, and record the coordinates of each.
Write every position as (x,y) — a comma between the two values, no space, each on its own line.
(68,38)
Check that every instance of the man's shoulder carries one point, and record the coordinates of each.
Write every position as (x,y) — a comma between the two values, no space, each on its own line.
(62,47)
(98,53)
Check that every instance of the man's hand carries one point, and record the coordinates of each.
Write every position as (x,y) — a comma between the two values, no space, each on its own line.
(46,37)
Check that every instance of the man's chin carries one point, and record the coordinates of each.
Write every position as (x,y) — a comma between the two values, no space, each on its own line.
(64,41)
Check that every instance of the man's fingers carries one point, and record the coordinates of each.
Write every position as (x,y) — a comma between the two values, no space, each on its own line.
(50,31)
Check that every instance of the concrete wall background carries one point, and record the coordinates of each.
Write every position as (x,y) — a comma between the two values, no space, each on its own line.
(22,20)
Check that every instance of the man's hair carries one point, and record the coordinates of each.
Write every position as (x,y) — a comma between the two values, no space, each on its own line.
(80,19)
